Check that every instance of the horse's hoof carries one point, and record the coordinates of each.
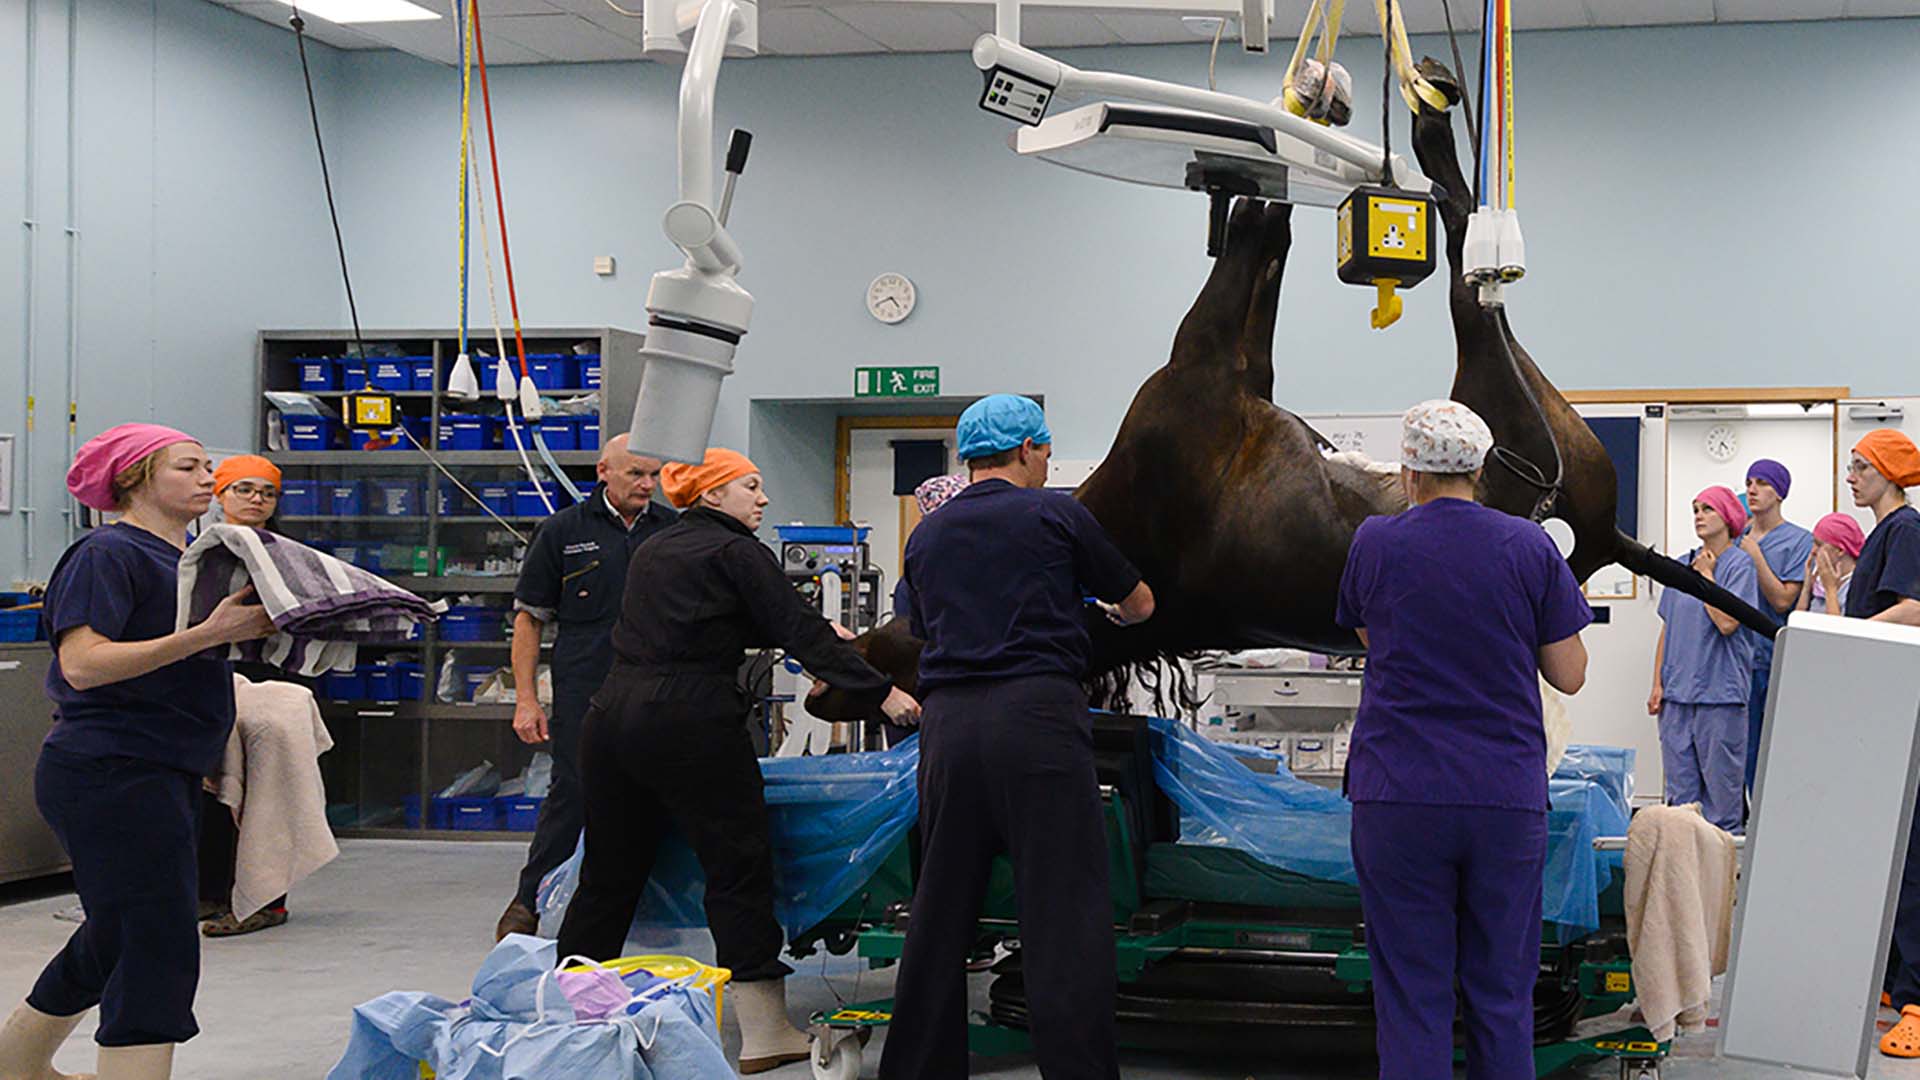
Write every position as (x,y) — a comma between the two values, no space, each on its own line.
(1441,77)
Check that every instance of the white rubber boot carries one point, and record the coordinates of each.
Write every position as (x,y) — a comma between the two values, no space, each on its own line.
(768,1039)
(28,1041)
(150,1062)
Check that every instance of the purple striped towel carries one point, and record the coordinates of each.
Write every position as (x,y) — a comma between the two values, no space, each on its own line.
(323,609)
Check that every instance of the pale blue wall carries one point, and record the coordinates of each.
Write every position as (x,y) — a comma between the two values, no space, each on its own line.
(200,219)
(1700,207)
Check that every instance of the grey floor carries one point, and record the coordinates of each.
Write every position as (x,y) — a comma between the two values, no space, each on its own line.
(419,916)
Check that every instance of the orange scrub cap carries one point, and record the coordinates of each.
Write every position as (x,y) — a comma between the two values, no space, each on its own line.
(1893,454)
(244,467)
(685,483)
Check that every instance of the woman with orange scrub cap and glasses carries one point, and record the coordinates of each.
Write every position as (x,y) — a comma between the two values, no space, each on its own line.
(248,487)
(1886,588)
(664,743)
(1701,671)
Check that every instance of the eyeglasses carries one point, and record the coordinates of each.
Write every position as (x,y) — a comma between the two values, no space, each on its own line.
(255,491)
(1859,468)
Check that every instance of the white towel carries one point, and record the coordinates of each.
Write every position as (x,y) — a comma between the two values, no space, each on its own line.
(1681,872)
(270,777)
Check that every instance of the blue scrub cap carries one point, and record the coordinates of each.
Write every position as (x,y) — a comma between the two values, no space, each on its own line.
(1000,422)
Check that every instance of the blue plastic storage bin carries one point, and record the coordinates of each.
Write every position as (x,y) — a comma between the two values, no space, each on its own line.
(472,622)
(589,365)
(471,677)
(317,373)
(380,682)
(343,686)
(353,375)
(559,433)
(463,431)
(394,498)
(343,498)
(588,436)
(822,534)
(391,373)
(465,813)
(411,680)
(300,498)
(308,432)
(454,502)
(498,497)
(16,625)
(518,813)
(422,373)
(410,810)
(551,371)
(526,498)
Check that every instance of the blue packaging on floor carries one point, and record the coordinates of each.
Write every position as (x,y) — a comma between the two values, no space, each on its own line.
(308,432)
(518,813)
(317,373)
(300,498)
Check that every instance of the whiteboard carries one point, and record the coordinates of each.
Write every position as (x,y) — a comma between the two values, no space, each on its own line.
(1825,847)
(1376,435)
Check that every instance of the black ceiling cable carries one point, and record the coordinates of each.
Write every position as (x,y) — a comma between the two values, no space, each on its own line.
(1460,77)
(300,40)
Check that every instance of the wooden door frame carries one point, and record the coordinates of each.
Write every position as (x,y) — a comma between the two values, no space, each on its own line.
(843,430)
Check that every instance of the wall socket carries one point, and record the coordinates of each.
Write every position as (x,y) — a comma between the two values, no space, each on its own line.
(603,265)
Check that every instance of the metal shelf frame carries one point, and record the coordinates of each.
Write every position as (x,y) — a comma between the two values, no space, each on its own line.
(395,739)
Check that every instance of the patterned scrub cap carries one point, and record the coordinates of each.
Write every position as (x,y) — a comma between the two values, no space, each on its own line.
(933,494)
(1442,436)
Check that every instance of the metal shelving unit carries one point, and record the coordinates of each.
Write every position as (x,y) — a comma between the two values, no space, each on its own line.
(391,756)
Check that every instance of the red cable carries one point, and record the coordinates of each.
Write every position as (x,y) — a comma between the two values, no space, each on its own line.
(499,197)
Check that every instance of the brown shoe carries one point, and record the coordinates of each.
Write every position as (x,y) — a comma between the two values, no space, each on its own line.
(517,919)
(227,926)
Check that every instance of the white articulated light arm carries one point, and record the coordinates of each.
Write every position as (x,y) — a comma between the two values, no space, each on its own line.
(991,52)
(692,223)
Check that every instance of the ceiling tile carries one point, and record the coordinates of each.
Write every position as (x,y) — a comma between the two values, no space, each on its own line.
(904,27)
(490,8)
(567,38)
(434,41)
(1056,29)
(1137,28)
(1881,9)
(1776,10)
(340,37)
(810,32)
(1551,15)
(608,19)
(1649,12)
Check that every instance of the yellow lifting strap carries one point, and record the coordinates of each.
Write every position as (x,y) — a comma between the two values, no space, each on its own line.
(1414,88)
(1329,29)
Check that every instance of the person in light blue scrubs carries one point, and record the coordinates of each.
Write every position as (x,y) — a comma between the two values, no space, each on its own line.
(1703,671)
(1779,550)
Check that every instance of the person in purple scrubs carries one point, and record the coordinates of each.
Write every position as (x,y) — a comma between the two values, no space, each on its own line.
(1462,609)
(1779,551)
(1703,671)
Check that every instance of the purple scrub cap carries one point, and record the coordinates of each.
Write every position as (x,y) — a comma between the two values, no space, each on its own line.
(1775,474)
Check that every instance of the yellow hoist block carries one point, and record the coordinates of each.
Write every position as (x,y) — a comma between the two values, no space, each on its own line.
(1386,238)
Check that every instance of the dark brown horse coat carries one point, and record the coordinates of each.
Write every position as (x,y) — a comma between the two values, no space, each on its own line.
(1229,504)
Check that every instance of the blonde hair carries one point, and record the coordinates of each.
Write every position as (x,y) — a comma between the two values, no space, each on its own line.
(136,476)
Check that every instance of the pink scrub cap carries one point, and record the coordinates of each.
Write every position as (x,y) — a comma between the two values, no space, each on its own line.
(107,454)
(1727,505)
(1842,532)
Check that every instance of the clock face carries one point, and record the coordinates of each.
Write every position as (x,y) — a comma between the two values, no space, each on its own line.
(1722,442)
(890,298)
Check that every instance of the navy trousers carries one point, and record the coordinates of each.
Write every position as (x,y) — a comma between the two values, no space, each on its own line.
(1451,897)
(1903,962)
(563,813)
(129,827)
(1756,717)
(1007,766)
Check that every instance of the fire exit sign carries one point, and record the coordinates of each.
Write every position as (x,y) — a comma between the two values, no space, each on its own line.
(896,382)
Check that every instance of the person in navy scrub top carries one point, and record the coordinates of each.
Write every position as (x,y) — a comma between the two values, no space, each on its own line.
(141,713)
(1886,588)
(1779,551)
(1462,609)
(997,580)
(1703,672)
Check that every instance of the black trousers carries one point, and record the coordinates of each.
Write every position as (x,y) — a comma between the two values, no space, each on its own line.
(563,812)
(1008,766)
(648,766)
(129,826)
(219,847)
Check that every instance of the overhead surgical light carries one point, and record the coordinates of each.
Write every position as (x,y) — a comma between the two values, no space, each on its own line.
(697,313)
